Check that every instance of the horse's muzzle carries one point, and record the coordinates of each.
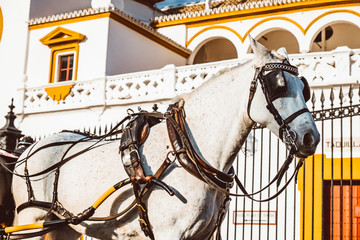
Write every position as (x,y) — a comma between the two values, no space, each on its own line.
(307,143)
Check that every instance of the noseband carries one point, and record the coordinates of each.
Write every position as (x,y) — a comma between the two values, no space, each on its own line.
(273,85)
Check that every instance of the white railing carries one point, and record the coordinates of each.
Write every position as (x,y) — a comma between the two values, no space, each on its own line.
(326,69)
(322,69)
(191,77)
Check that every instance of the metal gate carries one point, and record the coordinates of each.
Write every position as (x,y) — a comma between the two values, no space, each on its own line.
(324,203)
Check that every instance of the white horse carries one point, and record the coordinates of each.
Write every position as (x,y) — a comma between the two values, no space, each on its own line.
(219,121)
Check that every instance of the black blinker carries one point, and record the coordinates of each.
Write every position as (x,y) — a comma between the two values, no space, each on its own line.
(275,83)
(306,90)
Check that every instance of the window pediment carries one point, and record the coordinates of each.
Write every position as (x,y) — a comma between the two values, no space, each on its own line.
(61,35)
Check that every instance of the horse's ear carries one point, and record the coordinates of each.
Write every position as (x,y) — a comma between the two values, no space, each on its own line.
(261,53)
(282,54)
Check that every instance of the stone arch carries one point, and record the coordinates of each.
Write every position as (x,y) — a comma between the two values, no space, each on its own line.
(289,35)
(210,38)
(277,38)
(215,49)
(333,29)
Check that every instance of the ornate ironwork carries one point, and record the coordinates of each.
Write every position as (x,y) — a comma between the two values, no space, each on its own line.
(9,134)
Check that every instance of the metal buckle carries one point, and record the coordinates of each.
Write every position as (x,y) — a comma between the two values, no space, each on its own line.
(173,153)
(289,140)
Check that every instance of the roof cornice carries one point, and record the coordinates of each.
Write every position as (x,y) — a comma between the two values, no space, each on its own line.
(115,14)
(251,9)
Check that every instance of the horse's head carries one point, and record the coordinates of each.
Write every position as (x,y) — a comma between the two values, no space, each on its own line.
(278,101)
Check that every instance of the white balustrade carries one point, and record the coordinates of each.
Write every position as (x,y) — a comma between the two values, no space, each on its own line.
(191,77)
(136,87)
(325,69)
(322,69)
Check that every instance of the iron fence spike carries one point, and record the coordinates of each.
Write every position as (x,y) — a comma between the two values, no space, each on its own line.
(351,94)
(313,98)
(322,97)
(341,95)
(332,95)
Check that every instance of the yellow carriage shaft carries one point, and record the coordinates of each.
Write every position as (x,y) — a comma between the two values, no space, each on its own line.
(56,223)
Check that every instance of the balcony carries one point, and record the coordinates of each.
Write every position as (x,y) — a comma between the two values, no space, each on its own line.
(339,67)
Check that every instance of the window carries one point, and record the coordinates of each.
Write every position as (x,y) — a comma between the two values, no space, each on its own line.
(66,68)
(64,45)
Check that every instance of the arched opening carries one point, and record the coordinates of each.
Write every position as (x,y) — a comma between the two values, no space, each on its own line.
(215,50)
(336,35)
(279,38)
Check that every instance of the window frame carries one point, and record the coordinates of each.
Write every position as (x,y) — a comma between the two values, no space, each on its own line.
(56,54)
(58,65)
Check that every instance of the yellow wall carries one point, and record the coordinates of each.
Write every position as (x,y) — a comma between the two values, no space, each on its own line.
(311,198)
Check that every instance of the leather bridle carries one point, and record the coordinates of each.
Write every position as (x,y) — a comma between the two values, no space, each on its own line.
(285,133)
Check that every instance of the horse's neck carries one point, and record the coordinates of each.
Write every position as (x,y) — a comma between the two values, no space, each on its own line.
(217,115)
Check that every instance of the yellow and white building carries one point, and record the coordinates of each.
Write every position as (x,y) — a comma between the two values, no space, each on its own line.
(82,64)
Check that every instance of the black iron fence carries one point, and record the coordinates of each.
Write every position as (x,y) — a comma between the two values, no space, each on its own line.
(324,203)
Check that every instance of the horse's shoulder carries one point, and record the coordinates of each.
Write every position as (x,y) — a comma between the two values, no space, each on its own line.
(53,143)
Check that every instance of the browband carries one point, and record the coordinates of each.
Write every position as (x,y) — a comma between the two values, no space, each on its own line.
(285,67)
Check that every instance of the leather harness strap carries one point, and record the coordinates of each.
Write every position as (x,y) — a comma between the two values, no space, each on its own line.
(207,173)
(166,163)
(134,136)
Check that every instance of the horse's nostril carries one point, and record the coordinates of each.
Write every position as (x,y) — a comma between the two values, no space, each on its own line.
(308,139)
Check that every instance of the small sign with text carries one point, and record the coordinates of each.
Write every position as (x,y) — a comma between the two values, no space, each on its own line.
(254,217)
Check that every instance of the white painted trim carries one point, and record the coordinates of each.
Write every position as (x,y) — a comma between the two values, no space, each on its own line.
(57,62)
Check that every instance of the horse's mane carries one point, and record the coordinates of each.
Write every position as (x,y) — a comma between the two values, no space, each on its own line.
(241,63)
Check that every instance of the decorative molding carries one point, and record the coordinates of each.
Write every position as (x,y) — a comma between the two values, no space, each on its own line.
(216,27)
(79,15)
(303,30)
(59,93)
(62,36)
(116,15)
(249,9)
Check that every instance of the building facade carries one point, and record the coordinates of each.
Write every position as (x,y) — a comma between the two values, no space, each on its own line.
(82,64)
